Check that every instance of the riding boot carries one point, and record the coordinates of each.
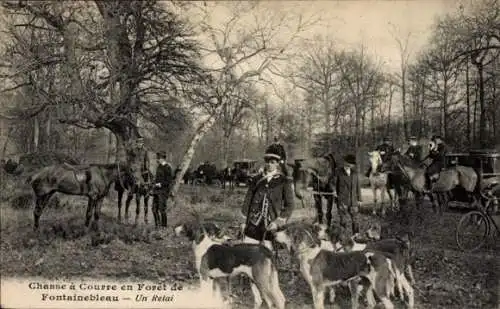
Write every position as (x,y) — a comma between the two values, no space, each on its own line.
(163,219)
(355,226)
(427,183)
(329,217)
(368,172)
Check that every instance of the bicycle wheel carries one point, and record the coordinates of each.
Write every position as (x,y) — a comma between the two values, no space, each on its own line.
(472,231)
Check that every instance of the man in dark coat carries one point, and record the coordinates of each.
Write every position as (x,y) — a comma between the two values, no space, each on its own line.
(386,148)
(348,193)
(269,201)
(163,182)
(438,156)
(414,150)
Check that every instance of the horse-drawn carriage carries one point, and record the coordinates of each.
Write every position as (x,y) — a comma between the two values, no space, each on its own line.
(475,226)
(486,163)
(243,170)
(206,173)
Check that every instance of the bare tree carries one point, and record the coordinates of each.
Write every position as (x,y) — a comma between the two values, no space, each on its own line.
(403,45)
(114,60)
(242,48)
(362,80)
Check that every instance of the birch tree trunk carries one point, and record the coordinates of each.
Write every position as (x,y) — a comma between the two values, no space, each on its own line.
(202,129)
(36,133)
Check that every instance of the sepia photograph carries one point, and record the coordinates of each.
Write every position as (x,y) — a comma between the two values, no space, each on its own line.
(250,154)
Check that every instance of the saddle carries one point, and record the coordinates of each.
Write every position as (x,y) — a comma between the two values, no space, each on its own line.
(81,172)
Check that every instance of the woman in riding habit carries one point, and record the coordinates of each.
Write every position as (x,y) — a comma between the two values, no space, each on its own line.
(269,200)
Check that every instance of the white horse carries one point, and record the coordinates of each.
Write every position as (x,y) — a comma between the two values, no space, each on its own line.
(379,181)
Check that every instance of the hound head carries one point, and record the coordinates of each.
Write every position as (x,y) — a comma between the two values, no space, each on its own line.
(299,236)
(196,232)
(374,232)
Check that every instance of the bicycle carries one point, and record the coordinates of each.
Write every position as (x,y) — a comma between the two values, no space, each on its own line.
(481,221)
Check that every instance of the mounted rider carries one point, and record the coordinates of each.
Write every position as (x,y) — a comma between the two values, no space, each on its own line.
(437,153)
(385,149)
(414,150)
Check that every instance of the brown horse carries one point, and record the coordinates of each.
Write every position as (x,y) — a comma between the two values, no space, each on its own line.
(92,181)
(449,178)
(318,174)
(143,190)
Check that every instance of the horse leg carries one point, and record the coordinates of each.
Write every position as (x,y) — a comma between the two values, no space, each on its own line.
(120,198)
(156,213)
(393,197)
(329,208)
(41,202)
(137,205)
(146,206)
(90,206)
(374,209)
(382,202)
(130,195)
(319,207)
(97,211)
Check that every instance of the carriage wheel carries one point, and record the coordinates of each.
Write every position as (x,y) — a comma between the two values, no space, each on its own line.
(472,231)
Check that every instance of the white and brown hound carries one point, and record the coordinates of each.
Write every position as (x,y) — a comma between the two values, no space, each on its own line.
(397,249)
(215,259)
(322,268)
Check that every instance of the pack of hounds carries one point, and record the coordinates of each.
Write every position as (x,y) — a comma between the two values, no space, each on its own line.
(364,262)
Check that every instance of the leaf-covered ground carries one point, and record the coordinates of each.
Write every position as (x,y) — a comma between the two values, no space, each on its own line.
(445,277)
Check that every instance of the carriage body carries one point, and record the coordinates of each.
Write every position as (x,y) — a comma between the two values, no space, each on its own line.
(206,173)
(243,170)
(486,163)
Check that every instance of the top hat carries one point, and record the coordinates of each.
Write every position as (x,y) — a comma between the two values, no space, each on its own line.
(273,152)
(350,159)
(161,155)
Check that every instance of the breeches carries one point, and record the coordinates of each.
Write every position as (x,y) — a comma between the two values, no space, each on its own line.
(257,232)
(349,212)
(434,168)
(160,208)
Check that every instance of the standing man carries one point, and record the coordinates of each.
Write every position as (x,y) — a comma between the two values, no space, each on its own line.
(163,183)
(269,201)
(348,193)
(414,150)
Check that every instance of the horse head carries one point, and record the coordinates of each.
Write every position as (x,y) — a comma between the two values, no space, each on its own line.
(375,159)
(314,172)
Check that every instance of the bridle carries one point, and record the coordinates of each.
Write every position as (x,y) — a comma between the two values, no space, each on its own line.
(318,182)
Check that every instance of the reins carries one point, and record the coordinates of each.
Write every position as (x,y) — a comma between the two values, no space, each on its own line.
(120,180)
